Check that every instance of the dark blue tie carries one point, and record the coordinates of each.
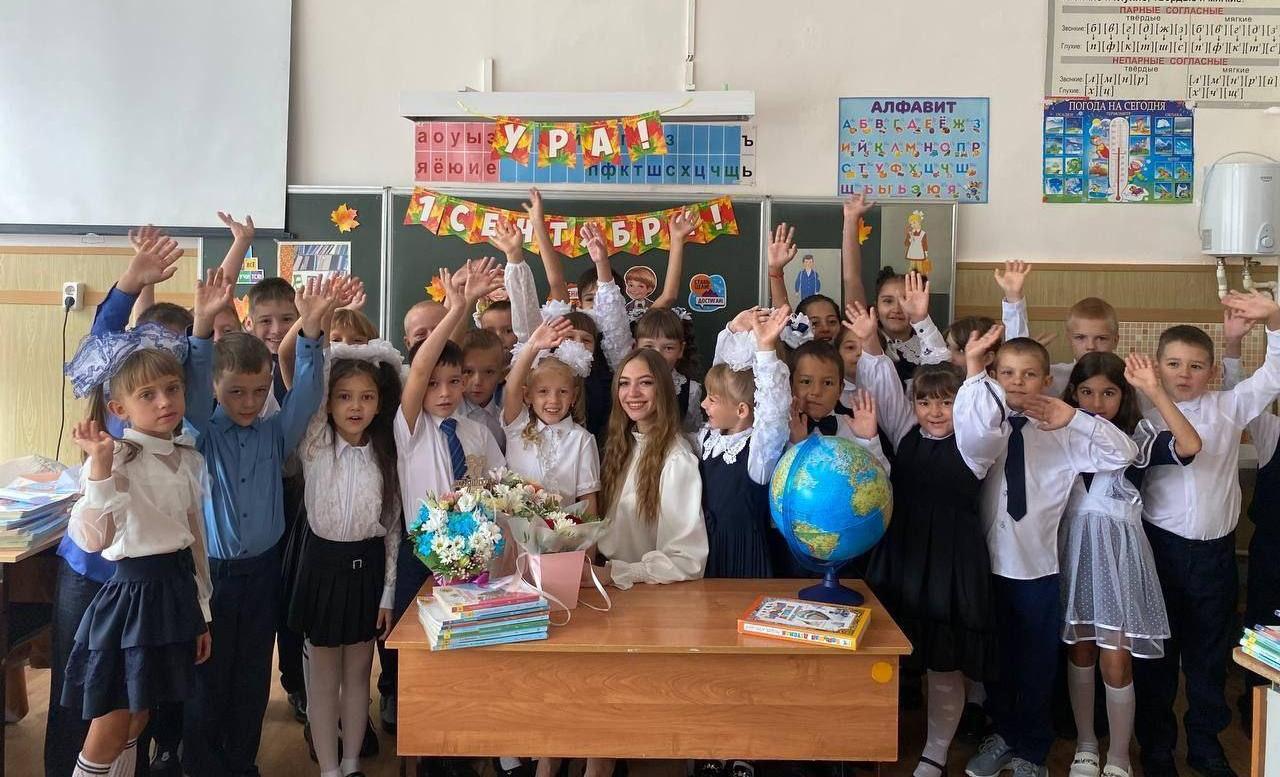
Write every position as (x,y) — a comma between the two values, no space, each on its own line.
(1015,470)
(456,455)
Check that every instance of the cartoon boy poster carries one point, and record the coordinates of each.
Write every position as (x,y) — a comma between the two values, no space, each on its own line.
(640,284)
(808,282)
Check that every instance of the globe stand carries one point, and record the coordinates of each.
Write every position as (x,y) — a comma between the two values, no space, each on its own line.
(829,591)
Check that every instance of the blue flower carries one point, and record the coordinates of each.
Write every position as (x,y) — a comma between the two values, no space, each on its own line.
(461,524)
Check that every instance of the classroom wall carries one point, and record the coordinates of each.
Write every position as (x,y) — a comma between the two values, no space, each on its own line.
(799,58)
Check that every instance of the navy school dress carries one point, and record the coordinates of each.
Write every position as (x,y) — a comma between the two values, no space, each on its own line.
(931,570)
(135,648)
(598,386)
(736,510)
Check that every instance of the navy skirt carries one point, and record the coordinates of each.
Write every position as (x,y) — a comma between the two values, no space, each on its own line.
(135,648)
(337,590)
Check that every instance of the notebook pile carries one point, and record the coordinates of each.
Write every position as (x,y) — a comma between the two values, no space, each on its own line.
(473,615)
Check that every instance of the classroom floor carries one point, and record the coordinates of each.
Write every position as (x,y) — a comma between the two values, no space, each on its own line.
(283,748)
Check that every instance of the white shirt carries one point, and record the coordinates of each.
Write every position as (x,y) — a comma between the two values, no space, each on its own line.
(671,548)
(343,494)
(152,504)
(1014,317)
(1202,500)
(771,422)
(1263,430)
(526,313)
(610,315)
(563,457)
(423,457)
(488,417)
(1028,548)
(925,346)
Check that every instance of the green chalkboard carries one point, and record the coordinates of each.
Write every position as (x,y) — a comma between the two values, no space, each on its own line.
(818,224)
(307,218)
(416,255)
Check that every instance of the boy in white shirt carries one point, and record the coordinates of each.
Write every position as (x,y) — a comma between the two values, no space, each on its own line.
(1190,515)
(1021,504)
(1091,323)
(483,365)
(437,446)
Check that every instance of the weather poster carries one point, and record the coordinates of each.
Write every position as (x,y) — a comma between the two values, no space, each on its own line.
(1118,151)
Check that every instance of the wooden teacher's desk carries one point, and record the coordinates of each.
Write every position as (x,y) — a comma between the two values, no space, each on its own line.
(664,674)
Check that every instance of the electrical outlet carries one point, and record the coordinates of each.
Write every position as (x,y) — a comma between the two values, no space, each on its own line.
(72,295)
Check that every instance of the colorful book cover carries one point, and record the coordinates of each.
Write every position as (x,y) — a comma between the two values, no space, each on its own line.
(483,643)
(486,626)
(801,621)
(484,636)
(470,596)
(443,616)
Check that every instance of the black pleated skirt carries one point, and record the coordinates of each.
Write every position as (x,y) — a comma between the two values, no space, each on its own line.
(135,647)
(337,590)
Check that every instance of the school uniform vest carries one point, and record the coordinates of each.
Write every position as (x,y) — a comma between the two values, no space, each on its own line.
(736,510)
(682,397)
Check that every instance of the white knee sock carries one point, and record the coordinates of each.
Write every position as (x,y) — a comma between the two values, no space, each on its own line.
(124,764)
(357,664)
(975,692)
(324,676)
(1080,688)
(1120,711)
(87,768)
(946,705)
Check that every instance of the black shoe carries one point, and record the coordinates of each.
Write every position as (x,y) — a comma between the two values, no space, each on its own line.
(525,769)
(975,726)
(369,747)
(298,703)
(1214,765)
(742,769)
(166,764)
(1159,765)
(387,711)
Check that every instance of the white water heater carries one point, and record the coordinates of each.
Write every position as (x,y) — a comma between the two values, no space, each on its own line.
(1240,209)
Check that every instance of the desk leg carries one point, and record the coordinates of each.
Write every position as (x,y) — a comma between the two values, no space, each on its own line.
(408,766)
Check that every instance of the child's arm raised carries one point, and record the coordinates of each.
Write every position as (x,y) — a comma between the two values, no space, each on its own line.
(551,261)
(1251,396)
(212,295)
(518,280)
(548,335)
(316,301)
(481,279)
(782,249)
(864,423)
(979,411)
(915,303)
(1141,374)
(610,312)
(154,261)
(855,207)
(877,374)
(92,523)
(1092,444)
(241,239)
(681,225)
(772,422)
(1013,305)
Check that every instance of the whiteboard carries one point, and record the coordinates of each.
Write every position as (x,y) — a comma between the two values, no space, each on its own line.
(134,111)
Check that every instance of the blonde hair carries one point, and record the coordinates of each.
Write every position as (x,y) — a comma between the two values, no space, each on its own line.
(354,321)
(1096,309)
(737,386)
(620,444)
(553,365)
(141,367)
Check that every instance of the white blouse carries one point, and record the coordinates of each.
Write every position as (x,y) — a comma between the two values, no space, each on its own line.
(343,494)
(925,346)
(563,457)
(771,429)
(610,315)
(152,504)
(674,546)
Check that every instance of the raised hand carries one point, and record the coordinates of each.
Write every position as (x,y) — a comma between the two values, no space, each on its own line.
(855,207)
(593,239)
(798,423)
(744,321)
(359,298)
(975,351)
(860,320)
(482,278)
(1012,278)
(863,424)
(1141,374)
(345,290)
(782,249)
(213,294)
(1235,327)
(549,334)
(682,224)
(915,300)
(96,444)
(1050,412)
(769,328)
(1252,305)
(509,240)
(534,206)
(154,260)
(240,232)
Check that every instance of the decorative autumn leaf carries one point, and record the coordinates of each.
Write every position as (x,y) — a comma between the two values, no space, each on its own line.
(864,232)
(242,309)
(435,289)
(344,218)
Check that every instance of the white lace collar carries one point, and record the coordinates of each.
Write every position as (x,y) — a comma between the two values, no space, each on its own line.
(725,446)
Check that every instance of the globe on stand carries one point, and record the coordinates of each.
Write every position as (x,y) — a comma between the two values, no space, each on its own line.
(831,500)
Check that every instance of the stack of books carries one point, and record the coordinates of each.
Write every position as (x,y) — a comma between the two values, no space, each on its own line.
(31,510)
(472,615)
(798,620)
(1263,643)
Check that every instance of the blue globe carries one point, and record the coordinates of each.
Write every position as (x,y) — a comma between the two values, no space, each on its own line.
(832,502)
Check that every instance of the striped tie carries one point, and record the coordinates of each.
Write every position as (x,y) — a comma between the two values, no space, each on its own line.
(456,455)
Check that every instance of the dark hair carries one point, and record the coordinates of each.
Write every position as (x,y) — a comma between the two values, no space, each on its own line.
(936,381)
(270,290)
(1025,346)
(1111,367)
(1188,335)
(819,350)
(961,328)
(814,299)
(240,353)
(480,340)
(886,275)
(168,315)
(663,322)
(382,437)
(450,355)
(589,277)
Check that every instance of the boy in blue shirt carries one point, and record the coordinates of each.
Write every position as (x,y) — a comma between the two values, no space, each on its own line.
(244,454)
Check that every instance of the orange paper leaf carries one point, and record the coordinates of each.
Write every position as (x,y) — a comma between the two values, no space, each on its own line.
(344,218)
(864,231)
(435,289)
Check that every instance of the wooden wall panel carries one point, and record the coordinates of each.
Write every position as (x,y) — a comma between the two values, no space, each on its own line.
(32,389)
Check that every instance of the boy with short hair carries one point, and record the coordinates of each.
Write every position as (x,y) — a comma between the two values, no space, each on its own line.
(421,320)
(245,454)
(497,319)
(483,357)
(168,315)
(1190,516)
(1030,471)
(1092,324)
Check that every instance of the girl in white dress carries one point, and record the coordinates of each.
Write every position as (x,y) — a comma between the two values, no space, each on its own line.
(1111,601)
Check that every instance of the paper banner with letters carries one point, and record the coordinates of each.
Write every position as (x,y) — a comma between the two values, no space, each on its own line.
(912,148)
(633,233)
(1117,151)
(558,141)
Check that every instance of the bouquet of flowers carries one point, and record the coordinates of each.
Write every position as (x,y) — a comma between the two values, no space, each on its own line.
(538,520)
(456,535)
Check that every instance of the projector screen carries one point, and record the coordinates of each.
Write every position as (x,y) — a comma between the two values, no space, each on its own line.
(143,111)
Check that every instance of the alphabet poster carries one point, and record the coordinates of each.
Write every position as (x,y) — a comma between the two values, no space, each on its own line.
(1118,151)
(908,148)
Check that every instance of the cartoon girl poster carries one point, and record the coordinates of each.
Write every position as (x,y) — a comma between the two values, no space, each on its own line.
(640,283)
(917,244)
